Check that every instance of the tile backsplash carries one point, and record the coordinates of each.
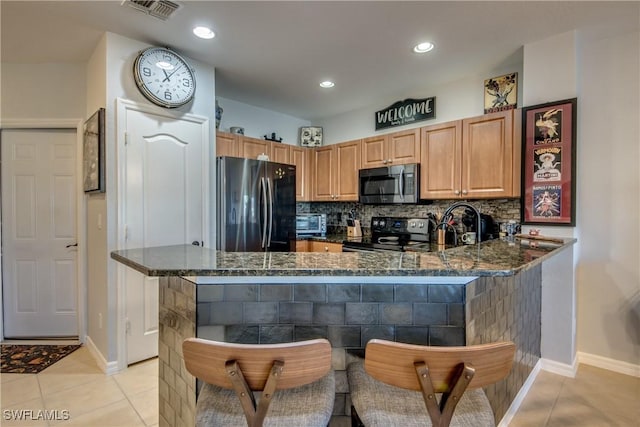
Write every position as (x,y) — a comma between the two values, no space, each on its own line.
(502,210)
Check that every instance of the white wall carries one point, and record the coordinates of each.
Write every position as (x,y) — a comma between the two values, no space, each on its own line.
(544,83)
(120,54)
(258,122)
(608,273)
(455,100)
(97,257)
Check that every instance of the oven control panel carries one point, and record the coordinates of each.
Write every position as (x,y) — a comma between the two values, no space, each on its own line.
(406,228)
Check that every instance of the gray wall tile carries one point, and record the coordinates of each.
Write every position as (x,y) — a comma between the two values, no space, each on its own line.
(413,334)
(260,312)
(315,293)
(377,293)
(446,293)
(225,313)
(276,292)
(430,314)
(343,293)
(241,292)
(328,314)
(361,313)
(411,293)
(296,312)
(396,314)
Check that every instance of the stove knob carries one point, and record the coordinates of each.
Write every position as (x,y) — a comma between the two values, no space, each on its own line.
(375,222)
(422,225)
(413,224)
(382,223)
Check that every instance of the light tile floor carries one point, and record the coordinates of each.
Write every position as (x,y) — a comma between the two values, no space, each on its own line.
(596,397)
(76,385)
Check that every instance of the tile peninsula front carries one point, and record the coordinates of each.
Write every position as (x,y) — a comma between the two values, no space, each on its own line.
(461,296)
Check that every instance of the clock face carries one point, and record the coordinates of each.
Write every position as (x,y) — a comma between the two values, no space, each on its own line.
(164,78)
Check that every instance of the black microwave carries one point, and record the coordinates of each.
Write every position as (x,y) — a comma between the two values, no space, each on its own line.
(389,185)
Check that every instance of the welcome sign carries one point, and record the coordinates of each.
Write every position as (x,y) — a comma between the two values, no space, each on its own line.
(405,112)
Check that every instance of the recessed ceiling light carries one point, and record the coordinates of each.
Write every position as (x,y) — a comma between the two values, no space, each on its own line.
(327,84)
(423,47)
(204,32)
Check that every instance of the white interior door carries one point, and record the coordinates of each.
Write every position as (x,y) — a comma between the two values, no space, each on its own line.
(39,224)
(164,184)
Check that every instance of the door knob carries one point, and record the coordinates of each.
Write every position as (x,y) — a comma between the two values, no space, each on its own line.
(72,245)
(195,243)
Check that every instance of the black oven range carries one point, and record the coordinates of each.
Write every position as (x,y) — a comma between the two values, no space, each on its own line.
(393,234)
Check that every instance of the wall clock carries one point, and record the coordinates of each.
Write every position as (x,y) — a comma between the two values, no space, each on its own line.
(311,136)
(164,77)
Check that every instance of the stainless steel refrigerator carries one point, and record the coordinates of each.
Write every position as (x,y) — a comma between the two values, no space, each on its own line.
(256,205)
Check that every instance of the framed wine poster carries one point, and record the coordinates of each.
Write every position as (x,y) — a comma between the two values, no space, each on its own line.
(549,163)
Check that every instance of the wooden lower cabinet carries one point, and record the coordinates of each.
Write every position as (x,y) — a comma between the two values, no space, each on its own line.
(302,245)
(316,246)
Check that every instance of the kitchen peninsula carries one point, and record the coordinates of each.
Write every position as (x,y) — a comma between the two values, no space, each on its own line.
(459,296)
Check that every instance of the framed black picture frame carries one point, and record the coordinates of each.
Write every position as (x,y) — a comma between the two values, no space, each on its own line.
(93,150)
(549,163)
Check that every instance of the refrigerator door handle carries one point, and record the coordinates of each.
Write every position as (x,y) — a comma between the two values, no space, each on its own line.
(263,190)
(401,184)
(270,211)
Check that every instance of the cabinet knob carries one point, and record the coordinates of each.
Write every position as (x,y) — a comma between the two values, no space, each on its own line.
(326,248)
(384,162)
(456,192)
(464,191)
(389,160)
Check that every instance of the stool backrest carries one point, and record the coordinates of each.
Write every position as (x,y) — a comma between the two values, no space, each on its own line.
(303,362)
(394,363)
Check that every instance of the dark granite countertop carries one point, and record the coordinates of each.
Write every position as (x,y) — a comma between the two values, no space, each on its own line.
(491,258)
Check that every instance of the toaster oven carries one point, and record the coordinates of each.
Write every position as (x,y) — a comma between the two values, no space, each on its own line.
(311,225)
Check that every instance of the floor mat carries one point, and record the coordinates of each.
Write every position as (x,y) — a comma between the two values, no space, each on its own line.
(31,359)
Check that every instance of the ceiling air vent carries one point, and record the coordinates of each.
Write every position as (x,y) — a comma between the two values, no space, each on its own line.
(162,9)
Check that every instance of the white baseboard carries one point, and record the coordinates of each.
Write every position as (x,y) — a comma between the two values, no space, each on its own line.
(618,366)
(561,368)
(109,368)
(513,408)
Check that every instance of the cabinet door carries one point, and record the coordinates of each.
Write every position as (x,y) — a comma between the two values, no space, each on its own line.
(487,163)
(316,246)
(280,153)
(374,151)
(300,157)
(226,144)
(323,171)
(404,147)
(440,159)
(347,166)
(302,246)
(251,148)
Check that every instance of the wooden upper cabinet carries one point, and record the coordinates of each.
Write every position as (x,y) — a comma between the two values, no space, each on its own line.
(226,144)
(251,148)
(374,151)
(396,148)
(488,156)
(475,158)
(404,147)
(300,157)
(323,172)
(440,161)
(280,153)
(335,172)
(347,167)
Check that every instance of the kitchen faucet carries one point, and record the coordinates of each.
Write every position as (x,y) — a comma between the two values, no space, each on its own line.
(447,214)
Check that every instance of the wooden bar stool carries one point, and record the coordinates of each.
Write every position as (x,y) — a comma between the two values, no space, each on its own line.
(296,381)
(397,384)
